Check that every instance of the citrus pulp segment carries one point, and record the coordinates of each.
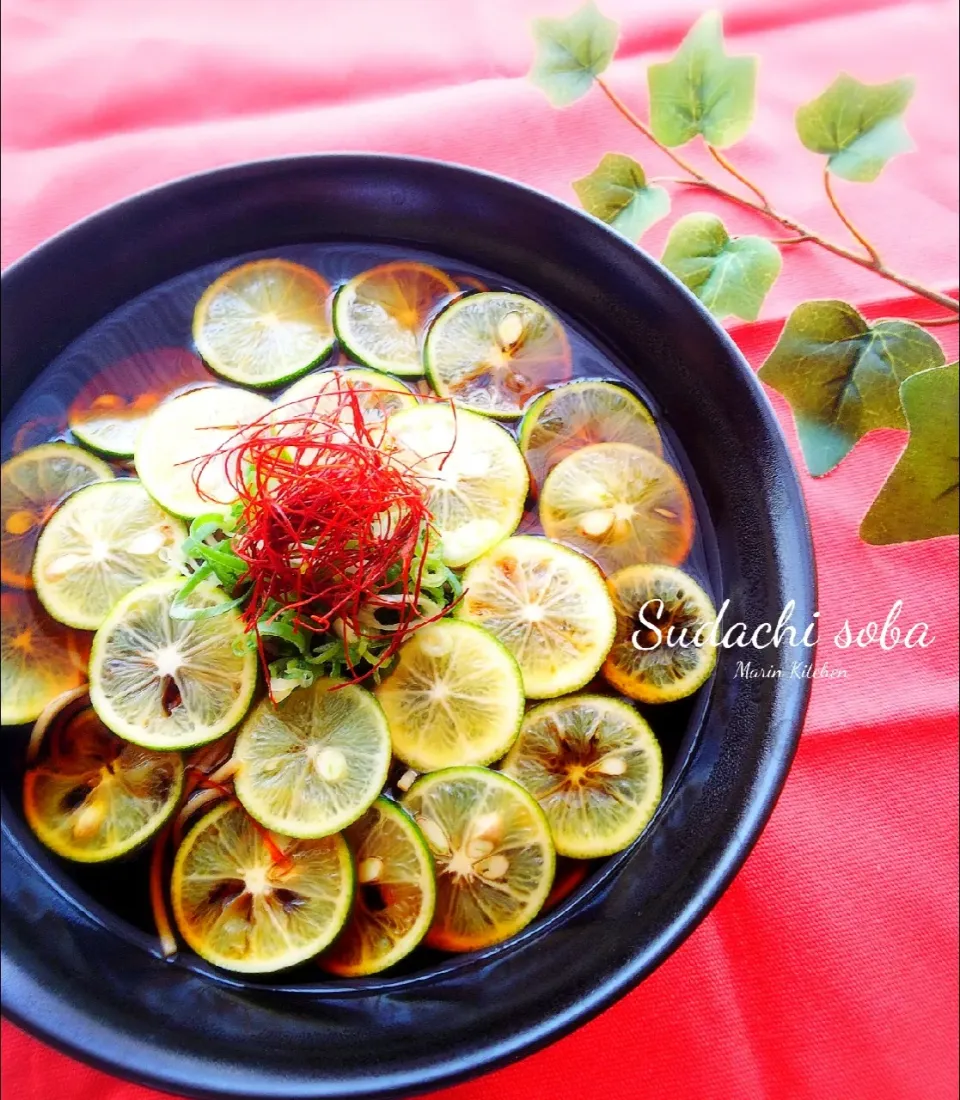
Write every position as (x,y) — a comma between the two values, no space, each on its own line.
(620,504)
(255,905)
(92,797)
(491,352)
(39,658)
(491,847)
(475,476)
(579,414)
(311,765)
(596,769)
(103,541)
(651,660)
(454,696)
(395,897)
(381,314)
(166,683)
(32,484)
(181,433)
(264,323)
(548,605)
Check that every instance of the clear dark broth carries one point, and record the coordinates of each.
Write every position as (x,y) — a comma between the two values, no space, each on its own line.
(161,319)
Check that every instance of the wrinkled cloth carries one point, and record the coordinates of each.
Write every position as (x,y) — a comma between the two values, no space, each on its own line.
(829,968)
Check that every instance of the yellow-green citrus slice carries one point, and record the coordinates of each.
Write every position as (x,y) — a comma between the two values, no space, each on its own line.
(311,765)
(39,658)
(32,484)
(380,315)
(454,696)
(548,605)
(579,414)
(619,504)
(109,411)
(594,766)
(184,430)
(92,797)
(655,657)
(476,477)
(166,683)
(493,351)
(264,323)
(395,898)
(241,907)
(102,542)
(493,854)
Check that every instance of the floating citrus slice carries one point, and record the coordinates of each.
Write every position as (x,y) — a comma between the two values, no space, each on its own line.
(166,683)
(395,897)
(454,696)
(322,394)
(311,765)
(92,797)
(180,433)
(103,541)
(620,504)
(109,412)
(255,904)
(476,477)
(39,658)
(642,662)
(32,484)
(594,766)
(548,605)
(264,323)
(579,414)
(492,851)
(381,314)
(493,351)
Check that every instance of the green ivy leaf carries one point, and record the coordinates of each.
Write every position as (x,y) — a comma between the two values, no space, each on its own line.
(572,52)
(617,192)
(842,376)
(858,126)
(701,90)
(921,497)
(730,275)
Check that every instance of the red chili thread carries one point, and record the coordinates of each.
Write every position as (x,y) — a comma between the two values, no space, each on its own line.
(278,856)
(327,510)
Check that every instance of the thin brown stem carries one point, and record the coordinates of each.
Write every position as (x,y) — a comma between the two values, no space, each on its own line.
(728,167)
(790,240)
(697,179)
(934,322)
(854,232)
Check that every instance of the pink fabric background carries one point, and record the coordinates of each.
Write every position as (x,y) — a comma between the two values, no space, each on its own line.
(829,969)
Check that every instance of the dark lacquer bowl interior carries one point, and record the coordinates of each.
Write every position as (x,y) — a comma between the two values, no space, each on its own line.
(86,976)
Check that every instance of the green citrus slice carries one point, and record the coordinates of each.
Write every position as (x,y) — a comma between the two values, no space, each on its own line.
(254,904)
(491,847)
(655,659)
(476,477)
(594,766)
(491,352)
(92,797)
(548,605)
(579,414)
(619,504)
(39,658)
(264,323)
(32,484)
(454,696)
(110,410)
(395,898)
(166,683)
(311,765)
(102,542)
(180,433)
(381,314)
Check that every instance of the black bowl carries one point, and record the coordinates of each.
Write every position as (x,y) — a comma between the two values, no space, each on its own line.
(85,981)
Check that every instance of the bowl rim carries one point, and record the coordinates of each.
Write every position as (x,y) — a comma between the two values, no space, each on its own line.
(36,1009)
